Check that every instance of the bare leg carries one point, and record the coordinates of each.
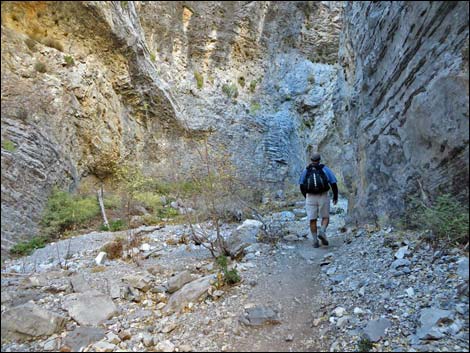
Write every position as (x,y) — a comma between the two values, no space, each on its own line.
(322,236)
(313,226)
(313,230)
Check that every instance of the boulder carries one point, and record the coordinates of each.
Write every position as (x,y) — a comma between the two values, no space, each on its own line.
(375,329)
(30,320)
(260,315)
(90,308)
(244,236)
(178,281)
(189,293)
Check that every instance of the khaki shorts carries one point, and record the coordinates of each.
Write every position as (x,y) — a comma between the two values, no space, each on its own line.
(316,204)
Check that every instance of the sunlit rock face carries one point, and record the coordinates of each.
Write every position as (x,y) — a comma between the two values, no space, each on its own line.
(402,104)
(85,84)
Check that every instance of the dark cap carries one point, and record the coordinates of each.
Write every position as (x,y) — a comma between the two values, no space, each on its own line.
(315,157)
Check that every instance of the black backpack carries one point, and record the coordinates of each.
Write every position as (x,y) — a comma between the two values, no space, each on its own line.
(316,180)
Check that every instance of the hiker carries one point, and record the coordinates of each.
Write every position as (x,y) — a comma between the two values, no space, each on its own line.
(315,182)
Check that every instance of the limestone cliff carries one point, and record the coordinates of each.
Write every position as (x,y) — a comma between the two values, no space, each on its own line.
(86,83)
(403,104)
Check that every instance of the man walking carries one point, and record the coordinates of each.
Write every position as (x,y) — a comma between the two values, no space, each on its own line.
(315,182)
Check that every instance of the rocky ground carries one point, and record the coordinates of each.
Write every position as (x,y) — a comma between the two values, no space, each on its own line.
(371,289)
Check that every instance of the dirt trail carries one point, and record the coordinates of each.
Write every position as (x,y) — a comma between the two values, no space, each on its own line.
(289,283)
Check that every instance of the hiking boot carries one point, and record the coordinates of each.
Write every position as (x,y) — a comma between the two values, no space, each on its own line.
(322,237)
(315,242)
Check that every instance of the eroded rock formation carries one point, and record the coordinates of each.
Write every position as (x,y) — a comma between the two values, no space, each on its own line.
(403,104)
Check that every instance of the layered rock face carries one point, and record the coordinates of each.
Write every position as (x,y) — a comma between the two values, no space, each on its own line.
(89,84)
(403,104)
(77,94)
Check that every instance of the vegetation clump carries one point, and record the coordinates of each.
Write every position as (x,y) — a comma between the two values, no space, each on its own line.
(364,345)
(113,249)
(231,90)
(255,106)
(40,67)
(230,277)
(445,217)
(26,248)
(199,79)
(253,86)
(64,211)
(52,43)
(69,60)
(9,146)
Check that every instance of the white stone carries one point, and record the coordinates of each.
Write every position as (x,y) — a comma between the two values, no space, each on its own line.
(165,346)
(339,311)
(410,291)
(103,346)
(113,338)
(145,247)
(400,254)
(358,311)
(100,258)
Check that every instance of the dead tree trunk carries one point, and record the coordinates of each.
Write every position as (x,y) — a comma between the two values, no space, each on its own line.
(103,212)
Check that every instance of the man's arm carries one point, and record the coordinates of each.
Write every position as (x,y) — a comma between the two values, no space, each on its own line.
(333,182)
(303,190)
(301,183)
(334,187)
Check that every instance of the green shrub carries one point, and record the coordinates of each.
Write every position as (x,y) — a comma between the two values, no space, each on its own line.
(124,4)
(153,57)
(168,212)
(230,277)
(117,225)
(8,145)
(64,211)
(114,226)
(241,81)
(150,200)
(199,79)
(69,60)
(40,67)
(111,201)
(253,86)
(255,106)
(231,90)
(26,248)
(364,345)
(446,218)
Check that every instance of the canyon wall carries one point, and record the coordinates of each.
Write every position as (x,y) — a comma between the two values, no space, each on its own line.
(88,85)
(402,104)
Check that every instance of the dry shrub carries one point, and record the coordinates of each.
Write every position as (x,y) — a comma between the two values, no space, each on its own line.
(52,43)
(113,249)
